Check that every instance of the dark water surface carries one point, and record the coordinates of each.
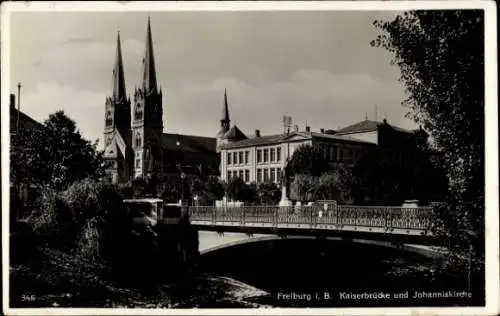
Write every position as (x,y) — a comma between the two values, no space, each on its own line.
(320,273)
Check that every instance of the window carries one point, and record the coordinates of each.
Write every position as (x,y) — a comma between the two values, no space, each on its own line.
(278,175)
(326,152)
(247,154)
(241,157)
(235,158)
(259,155)
(273,154)
(228,158)
(349,155)
(229,175)
(138,140)
(241,174)
(341,154)
(266,155)
(266,175)
(259,175)
(273,174)
(278,154)
(247,175)
(138,163)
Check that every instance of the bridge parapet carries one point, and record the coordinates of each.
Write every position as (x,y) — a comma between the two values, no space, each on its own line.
(412,220)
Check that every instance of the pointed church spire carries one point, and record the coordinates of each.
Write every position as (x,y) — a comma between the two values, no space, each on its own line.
(119,92)
(148,64)
(225,109)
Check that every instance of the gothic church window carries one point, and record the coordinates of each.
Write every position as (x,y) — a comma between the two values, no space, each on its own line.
(138,140)
(138,112)
(109,119)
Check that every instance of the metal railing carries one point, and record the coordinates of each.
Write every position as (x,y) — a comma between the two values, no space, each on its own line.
(335,217)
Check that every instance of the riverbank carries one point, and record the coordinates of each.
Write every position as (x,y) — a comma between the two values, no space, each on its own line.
(55,279)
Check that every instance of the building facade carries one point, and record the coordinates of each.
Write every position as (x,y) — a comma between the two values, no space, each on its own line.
(135,144)
(263,158)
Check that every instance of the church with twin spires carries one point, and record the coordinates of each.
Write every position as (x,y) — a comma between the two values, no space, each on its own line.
(135,144)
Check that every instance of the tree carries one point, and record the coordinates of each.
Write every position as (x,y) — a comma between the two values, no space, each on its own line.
(335,185)
(269,193)
(54,155)
(208,188)
(302,187)
(238,190)
(215,187)
(307,159)
(441,58)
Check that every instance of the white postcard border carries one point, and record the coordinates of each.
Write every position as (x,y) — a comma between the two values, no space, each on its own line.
(491,143)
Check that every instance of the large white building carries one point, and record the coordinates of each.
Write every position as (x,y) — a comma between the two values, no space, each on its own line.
(262,158)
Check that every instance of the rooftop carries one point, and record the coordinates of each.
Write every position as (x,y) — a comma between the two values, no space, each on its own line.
(368,126)
(281,138)
(188,143)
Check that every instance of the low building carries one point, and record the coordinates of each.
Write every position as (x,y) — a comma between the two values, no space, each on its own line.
(22,192)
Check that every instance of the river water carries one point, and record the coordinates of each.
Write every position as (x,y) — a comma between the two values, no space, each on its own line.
(323,273)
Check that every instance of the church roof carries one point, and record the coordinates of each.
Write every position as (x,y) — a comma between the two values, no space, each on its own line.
(117,147)
(188,143)
(149,83)
(234,134)
(119,92)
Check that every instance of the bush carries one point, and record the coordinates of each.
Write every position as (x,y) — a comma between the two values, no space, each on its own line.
(87,219)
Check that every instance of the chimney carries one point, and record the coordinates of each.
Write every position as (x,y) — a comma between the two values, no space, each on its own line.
(13,100)
(308,129)
(257,133)
(322,130)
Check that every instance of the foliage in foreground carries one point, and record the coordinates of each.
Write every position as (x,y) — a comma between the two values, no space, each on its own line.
(54,155)
(441,58)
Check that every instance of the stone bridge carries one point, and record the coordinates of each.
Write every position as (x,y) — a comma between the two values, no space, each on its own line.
(399,227)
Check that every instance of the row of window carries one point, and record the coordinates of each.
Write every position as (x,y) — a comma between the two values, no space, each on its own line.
(335,153)
(242,174)
(238,157)
(268,174)
(269,155)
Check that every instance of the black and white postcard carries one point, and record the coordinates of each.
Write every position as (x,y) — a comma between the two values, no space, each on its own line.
(278,158)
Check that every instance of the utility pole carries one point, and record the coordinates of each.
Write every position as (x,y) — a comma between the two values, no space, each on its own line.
(18,180)
(18,106)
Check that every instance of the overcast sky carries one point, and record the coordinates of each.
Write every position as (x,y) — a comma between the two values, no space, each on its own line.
(317,67)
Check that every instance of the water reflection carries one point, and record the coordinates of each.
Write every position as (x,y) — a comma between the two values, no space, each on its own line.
(305,272)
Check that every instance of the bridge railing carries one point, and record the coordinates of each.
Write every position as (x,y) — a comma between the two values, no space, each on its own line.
(336,216)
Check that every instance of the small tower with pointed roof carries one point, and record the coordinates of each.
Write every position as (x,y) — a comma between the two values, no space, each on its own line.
(147,118)
(224,122)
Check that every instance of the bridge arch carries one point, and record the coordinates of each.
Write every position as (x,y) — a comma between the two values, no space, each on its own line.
(238,239)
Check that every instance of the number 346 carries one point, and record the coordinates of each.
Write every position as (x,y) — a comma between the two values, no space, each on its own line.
(28,298)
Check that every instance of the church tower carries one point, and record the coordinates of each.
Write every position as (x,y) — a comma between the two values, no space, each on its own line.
(224,122)
(117,108)
(147,119)
(117,134)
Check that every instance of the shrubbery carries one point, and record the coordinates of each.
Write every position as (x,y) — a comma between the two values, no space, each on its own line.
(87,219)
